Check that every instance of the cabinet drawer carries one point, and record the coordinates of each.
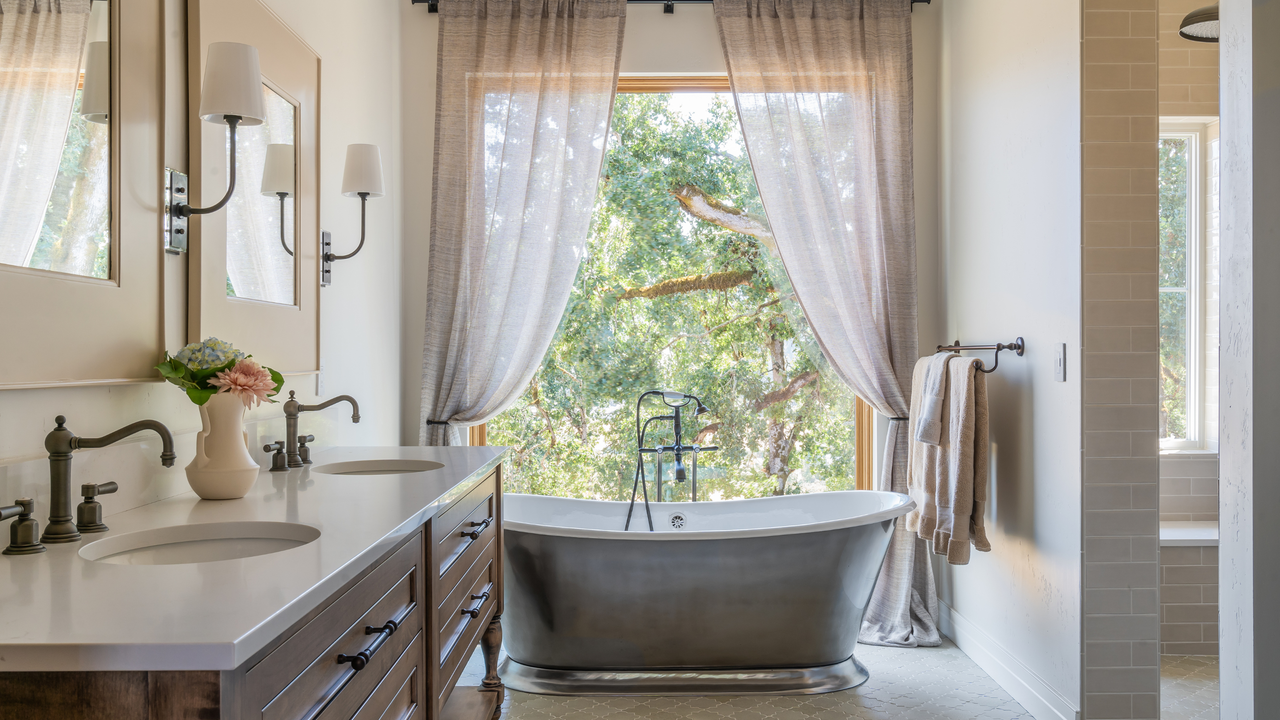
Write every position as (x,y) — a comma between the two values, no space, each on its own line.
(303,677)
(449,519)
(473,531)
(398,696)
(454,615)
(457,642)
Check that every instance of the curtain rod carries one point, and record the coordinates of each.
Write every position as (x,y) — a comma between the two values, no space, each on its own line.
(668,6)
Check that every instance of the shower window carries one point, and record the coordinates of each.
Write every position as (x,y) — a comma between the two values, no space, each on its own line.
(671,294)
(1187,286)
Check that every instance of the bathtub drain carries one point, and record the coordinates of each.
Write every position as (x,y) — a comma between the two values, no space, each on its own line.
(677,521)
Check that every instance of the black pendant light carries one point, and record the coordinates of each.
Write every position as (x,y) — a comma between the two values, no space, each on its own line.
(1201,25)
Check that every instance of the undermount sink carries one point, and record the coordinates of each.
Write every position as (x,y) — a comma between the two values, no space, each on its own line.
(199,543)
(393,466)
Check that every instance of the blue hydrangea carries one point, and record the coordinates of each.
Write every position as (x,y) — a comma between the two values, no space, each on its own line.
(210,353)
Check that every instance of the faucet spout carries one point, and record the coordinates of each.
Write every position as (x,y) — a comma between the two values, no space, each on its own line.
(355,408)
(167,455)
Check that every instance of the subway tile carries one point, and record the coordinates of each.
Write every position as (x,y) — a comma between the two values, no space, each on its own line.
(1144,234)
(1120,155)
(1107,549)
(1099,706)
(1142,25)
(1146,706)
(1180,57)
(1146,339)
(1120,575)
(1144,286)
(1203,57)
(1180,632)
(1129,5)
(1107,76)
(1108,654)
(1119,417)
(1123,365)
(1121,260)
(1189,575)
(1189,108)
(1107,444)
(1107,287)
(1145,390)
(1181,593)
(1188,466)
(1189,503)
(1173,485)
(1189,76)
(1104,129)
(1107,234)
(1121,208)
(1121,470)
(1209,554)
(1106,24)
(1209,593)
(1174,613)
(1176,555)
(1108,339)
(1122,679)
(1145,548)
(1122,50)
(1204,486)
(1146,653)
(1119,523)
(1203,93)
(1146,495)
(1108,601)
(1144,128)
(1145,444)
(1174,93)
(1120,102)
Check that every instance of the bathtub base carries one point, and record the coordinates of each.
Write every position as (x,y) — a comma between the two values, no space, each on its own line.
(785,681)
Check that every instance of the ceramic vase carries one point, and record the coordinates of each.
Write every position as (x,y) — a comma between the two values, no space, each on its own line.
(223,468)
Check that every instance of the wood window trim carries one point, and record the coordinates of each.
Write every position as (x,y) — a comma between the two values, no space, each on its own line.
(478,435)
(864,434)
(673,83)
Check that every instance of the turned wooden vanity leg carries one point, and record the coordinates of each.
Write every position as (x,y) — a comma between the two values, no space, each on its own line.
(491,643)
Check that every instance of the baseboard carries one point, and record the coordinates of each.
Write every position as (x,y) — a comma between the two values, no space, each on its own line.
(1020,681)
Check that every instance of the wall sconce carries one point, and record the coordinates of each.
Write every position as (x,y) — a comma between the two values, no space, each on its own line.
(95,93)
(362,178)
(277,179)
(232,94)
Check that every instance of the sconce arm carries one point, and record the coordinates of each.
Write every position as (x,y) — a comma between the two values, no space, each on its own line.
(330,257)
(283,196)
(186,210)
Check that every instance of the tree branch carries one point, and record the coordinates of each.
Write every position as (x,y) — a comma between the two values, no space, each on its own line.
(702,206)
(777,396)
(707,333)
(706,432)
(692,283)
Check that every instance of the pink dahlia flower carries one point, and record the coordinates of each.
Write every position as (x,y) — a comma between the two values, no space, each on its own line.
(247,380)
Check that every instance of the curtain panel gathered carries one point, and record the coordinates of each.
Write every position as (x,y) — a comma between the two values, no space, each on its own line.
(41,44)
(823,90)
(524,97)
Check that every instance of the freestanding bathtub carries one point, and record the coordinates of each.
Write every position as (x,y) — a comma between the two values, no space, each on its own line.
(727,597)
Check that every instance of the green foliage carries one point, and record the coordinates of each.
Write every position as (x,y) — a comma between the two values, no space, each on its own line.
(197,364)
(574,429)
(1174,203)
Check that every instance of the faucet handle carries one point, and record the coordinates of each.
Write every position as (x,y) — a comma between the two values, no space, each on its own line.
(304,452)
(277,458)
(89,512)
(24,533)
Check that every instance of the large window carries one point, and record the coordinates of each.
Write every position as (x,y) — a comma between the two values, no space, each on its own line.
(1188,285)
(680,289)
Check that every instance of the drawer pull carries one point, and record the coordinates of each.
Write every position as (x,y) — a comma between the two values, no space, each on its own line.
(480,527)
(483,598)
(362,658)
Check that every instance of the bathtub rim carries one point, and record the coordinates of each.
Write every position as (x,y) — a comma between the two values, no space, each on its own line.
(904,504)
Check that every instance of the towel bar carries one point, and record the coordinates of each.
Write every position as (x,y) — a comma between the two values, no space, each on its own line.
(1019,346)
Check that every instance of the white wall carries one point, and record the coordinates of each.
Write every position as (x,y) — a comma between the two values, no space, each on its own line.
(360,311)
(1010,255)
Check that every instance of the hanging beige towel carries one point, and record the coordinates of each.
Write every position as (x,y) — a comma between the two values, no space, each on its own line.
(927,420)
(962,501)
(927,463)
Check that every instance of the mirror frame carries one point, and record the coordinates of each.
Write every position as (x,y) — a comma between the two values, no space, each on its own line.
(66,330)
(286,337)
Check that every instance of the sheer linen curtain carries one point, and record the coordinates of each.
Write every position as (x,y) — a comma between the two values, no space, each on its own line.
(41,43)
(524,97)
(823,89)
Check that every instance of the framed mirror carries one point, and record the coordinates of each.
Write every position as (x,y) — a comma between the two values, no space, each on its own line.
(55,138)
(245,285)
(81,98)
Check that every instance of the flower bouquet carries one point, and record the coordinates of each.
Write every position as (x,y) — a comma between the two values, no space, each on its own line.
(224,383)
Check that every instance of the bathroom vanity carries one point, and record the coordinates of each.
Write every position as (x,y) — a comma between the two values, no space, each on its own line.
(377,572)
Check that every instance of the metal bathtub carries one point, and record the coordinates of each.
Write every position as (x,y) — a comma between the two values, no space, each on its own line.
(728,597)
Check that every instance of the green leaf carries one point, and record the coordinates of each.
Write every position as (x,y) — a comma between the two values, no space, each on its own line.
(200,396)
(277,378)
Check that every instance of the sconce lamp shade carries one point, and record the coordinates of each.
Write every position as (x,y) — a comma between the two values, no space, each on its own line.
(277,176)
(95,95)
(363,172)
(232,84)
(1201,25)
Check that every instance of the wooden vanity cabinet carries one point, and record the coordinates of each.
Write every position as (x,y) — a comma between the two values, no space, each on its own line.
(417,614)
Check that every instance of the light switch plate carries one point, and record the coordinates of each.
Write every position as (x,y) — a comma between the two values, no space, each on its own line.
(320,380)
(1060,363)
(175,226)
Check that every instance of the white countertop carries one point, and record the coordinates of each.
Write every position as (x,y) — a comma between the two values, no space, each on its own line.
(59,611)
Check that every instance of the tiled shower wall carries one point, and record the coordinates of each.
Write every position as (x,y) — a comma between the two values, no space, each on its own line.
(1188,70)
(1120,343)
(1189,600)
(1189,487)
